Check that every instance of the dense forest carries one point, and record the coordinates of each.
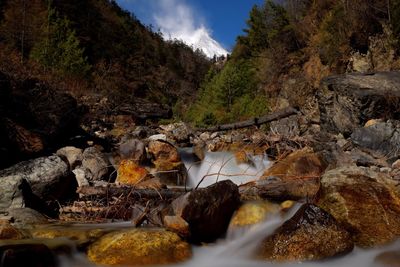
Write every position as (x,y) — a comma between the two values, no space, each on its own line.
(288,46)
(95,47)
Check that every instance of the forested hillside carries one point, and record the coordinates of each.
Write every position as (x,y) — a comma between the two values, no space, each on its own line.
(93,46)
(289,46)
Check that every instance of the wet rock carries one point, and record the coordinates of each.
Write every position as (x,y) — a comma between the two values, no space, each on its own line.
(366,201)
(139,247)
(48,177)
(132,149)
(252,213)
(311,234)
(82,176)
(131,173)
(72,155)
(96,163)
(207,211)
(300,164)
(383,137)
(81,236)
(7,231)
(33,255)
(347,101)
(388,259)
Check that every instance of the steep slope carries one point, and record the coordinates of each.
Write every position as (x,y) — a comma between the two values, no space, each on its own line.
(98,47)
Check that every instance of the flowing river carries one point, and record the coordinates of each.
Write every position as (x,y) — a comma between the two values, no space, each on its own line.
(236,249)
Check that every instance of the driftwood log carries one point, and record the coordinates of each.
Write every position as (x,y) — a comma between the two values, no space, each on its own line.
(280,114)
(130,192)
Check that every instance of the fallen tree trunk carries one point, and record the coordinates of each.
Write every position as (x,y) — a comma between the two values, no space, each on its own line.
(280,114)
(129,192)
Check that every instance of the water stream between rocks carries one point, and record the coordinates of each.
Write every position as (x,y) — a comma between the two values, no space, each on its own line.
(236,249)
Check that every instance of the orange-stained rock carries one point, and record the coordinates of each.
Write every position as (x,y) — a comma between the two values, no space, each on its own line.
(130,173)
(366,201)
(139,247)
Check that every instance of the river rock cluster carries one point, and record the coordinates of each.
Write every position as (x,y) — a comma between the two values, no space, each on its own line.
(342,167)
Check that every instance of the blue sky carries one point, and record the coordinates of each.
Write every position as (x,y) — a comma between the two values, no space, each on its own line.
(223,19)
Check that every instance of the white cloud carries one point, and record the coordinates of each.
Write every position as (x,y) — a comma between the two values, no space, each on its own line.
(177,20)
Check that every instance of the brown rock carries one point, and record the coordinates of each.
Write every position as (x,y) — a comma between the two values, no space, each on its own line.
(139,247)
(389,259)
(163,151)
(311,234)
(207,210)
(367,202)
(7,231)
(300,164)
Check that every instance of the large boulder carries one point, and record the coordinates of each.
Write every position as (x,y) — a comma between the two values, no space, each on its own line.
(367,202)
(311,234)
(48,177)
(383,137)
(33,118)
(295,177)
(139,247)
(206,212)
(348,101)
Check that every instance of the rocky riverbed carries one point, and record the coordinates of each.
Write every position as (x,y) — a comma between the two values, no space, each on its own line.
(319,189)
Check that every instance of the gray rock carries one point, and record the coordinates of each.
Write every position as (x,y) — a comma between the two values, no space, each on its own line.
(26,216)
(48,177)
(287,127)
(11,192)
(381,137)
(96,163)
(132,149)
(72,155)
(348,101)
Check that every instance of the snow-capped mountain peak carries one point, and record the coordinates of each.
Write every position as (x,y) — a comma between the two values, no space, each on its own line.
(202,40)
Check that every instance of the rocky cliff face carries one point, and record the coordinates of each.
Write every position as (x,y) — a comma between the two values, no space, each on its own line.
(348,101)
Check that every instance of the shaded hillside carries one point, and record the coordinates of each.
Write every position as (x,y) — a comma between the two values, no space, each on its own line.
(93,46)
(286,50)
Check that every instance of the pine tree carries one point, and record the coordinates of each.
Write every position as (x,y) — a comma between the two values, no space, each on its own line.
(61,48)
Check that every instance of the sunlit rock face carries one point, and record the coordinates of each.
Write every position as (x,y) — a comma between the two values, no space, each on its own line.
(366,201)
(139,247)
(311,234)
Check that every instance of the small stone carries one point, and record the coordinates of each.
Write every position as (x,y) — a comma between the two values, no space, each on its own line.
(157,137)
(396,164)
(252,213)
(371,122)
(385,170)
